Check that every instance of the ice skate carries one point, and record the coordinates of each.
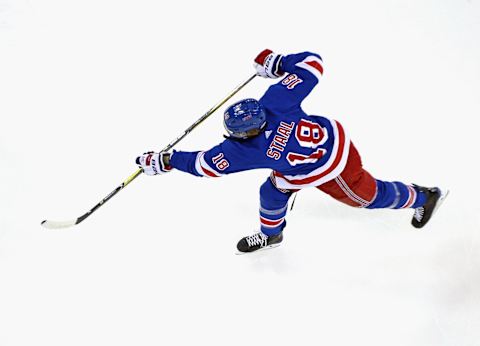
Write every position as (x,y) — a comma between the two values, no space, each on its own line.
(435,198)
(258,241)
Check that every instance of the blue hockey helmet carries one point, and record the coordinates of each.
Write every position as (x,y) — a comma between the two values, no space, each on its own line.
(246,118)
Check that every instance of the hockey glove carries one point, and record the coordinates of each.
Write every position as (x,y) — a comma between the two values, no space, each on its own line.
(154,163)
(269,64)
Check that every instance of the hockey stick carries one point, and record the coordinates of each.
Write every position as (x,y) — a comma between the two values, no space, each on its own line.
(64,224)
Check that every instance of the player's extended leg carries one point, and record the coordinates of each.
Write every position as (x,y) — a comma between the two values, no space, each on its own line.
(356,187)
(396,195)
(273,208)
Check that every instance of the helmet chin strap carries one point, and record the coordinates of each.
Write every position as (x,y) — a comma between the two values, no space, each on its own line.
(256,132)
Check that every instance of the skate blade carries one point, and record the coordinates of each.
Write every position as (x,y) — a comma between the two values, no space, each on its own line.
(261,249)
(444,194)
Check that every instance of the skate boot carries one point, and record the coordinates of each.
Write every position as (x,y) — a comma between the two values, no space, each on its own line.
(435,198)
(259,241)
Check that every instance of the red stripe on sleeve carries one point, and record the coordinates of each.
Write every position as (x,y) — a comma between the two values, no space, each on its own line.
(209,173)
(315,65)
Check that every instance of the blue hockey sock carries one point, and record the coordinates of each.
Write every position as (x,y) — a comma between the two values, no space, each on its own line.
(397,195)
(273,208)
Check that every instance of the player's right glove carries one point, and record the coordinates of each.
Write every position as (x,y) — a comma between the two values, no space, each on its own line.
(154,163)
(269,64)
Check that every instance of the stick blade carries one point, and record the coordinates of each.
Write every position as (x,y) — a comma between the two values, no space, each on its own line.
(58,224)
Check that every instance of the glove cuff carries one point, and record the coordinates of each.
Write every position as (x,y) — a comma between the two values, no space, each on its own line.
(165,165)
(273,65)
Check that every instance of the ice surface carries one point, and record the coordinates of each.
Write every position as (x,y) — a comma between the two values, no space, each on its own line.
(85,86)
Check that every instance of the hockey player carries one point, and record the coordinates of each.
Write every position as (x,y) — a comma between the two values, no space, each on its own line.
(302,151)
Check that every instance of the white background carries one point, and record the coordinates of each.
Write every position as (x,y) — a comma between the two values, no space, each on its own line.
(87,85)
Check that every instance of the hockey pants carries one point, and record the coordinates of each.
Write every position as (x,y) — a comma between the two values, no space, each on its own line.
(354,186)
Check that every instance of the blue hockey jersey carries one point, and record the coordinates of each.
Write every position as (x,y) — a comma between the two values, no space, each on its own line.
(302,150)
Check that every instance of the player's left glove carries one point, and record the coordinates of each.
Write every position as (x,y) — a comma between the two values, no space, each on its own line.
(269,64)
(154,163)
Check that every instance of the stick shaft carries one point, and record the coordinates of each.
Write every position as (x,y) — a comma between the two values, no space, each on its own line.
(110,195)
(207,114)
(167,148)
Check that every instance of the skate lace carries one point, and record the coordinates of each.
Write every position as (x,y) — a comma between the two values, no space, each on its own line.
(257,239)
(419,214)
